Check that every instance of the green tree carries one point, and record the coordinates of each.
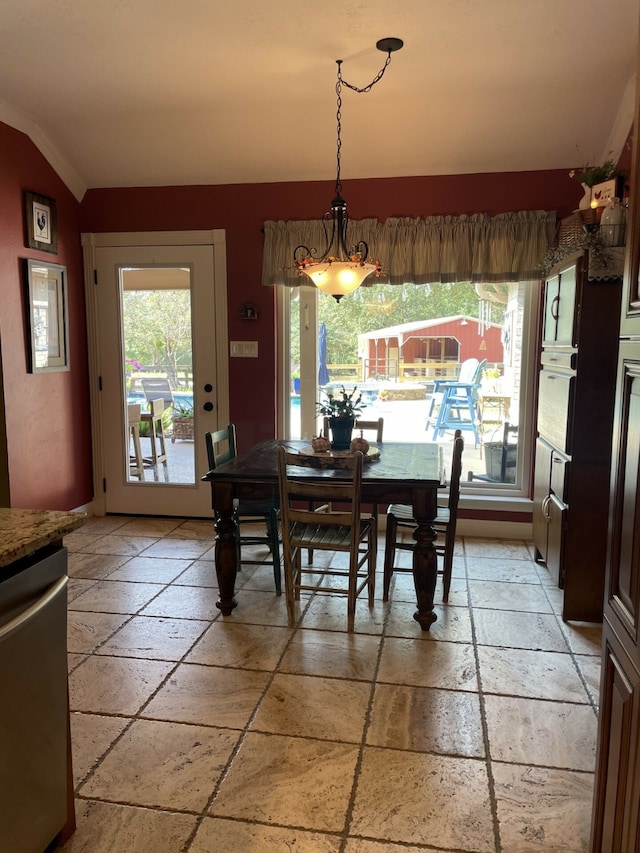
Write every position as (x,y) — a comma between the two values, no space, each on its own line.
(157,330)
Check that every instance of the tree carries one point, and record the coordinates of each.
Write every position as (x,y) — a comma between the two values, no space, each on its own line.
(157,330)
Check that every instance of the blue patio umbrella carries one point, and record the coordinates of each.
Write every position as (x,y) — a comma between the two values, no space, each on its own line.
(323,373)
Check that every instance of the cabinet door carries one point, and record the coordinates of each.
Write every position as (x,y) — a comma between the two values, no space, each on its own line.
(557,513)
(616,825)
(565,330)
(559,308)
(541,491)
(551,304)
(555,407)
(630,321)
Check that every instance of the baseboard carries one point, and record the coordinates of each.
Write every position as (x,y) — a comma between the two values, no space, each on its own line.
(484,529)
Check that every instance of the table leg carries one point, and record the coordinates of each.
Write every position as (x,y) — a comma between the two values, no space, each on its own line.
(226,549)
(425,561)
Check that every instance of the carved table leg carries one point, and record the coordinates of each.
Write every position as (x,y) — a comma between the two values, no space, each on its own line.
(226,548)
(425,561)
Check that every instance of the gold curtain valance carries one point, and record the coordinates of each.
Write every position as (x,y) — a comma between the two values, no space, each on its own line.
(476,247)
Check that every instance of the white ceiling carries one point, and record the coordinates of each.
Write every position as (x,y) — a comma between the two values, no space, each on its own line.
(158,92)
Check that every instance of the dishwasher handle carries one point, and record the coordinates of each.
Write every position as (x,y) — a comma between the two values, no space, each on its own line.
(35,608)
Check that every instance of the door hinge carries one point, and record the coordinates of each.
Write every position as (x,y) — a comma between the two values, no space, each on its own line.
(95,276)
(104,484)
(99,383)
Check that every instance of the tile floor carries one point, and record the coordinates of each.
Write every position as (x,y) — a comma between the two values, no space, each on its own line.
(194,733)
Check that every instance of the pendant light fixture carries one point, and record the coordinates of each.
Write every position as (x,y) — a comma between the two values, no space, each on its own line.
(341,268)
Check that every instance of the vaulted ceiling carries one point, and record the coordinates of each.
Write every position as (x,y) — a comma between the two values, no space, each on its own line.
(152,92)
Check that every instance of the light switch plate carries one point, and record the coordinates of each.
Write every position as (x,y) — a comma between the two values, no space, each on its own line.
(243,349)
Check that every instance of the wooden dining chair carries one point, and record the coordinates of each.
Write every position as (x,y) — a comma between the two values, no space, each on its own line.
(221,447)
(401,516)
(376,427)
(339,531)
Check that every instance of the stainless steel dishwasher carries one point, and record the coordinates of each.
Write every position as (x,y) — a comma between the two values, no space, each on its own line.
(33,702)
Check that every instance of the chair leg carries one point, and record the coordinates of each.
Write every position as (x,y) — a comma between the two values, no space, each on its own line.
(274,547)
(371,565)
(389,554)
(447,566)
(289,569)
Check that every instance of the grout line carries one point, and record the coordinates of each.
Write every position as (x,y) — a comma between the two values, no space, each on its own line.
(493,802)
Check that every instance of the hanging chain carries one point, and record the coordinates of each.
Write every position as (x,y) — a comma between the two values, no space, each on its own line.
(339,83)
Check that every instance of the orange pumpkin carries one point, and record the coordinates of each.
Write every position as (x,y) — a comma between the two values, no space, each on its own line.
(320,444)
(360,444)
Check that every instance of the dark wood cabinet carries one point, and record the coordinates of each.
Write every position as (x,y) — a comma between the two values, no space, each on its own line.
(616,806)
(617,791)
(579,345)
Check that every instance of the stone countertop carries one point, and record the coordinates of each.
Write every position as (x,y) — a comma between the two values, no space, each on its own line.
(23,531)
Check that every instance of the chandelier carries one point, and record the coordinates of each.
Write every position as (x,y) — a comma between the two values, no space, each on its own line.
(341,268)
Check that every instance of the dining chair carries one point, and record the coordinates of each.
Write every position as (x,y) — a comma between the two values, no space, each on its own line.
(221,447)
(401,516)
(340,531)
(376,427)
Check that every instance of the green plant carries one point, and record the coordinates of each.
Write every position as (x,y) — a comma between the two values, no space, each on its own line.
(591,175)
(342,406)
(182,409)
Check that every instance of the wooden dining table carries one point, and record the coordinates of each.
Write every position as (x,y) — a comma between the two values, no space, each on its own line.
(402,473)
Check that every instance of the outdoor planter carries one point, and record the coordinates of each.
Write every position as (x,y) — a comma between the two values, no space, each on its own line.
(182,428)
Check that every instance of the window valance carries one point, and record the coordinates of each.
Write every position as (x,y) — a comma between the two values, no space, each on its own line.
(476,247)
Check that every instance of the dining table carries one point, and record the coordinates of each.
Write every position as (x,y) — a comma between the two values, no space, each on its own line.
(395,472)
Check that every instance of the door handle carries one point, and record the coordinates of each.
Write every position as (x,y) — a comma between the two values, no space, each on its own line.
(33,610)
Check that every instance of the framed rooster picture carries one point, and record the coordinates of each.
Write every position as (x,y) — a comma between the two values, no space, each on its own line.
(41,224)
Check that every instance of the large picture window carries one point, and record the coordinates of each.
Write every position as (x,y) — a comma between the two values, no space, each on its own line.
(406,348)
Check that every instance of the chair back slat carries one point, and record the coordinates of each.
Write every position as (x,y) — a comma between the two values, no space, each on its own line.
(221,446)
(329,491)
(376,426)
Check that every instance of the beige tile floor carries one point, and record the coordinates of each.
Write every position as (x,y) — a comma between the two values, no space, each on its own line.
(195,733)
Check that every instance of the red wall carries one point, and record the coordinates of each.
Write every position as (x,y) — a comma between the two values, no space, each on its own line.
(47,415)
(242,209)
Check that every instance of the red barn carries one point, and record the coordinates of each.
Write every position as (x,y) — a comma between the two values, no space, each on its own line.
(401,352)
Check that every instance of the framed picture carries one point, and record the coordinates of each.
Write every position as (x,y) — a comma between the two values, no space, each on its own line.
(41,223)
(48,323)
(601,193)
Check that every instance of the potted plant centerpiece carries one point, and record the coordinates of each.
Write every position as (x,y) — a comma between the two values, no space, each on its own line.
(342,410)
(182,420)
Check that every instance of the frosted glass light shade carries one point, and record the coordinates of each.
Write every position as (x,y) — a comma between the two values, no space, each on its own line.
(338,278)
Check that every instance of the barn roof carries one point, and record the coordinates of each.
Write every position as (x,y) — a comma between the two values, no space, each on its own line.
(428,326)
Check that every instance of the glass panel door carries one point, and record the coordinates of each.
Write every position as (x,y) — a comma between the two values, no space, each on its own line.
(158,372)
